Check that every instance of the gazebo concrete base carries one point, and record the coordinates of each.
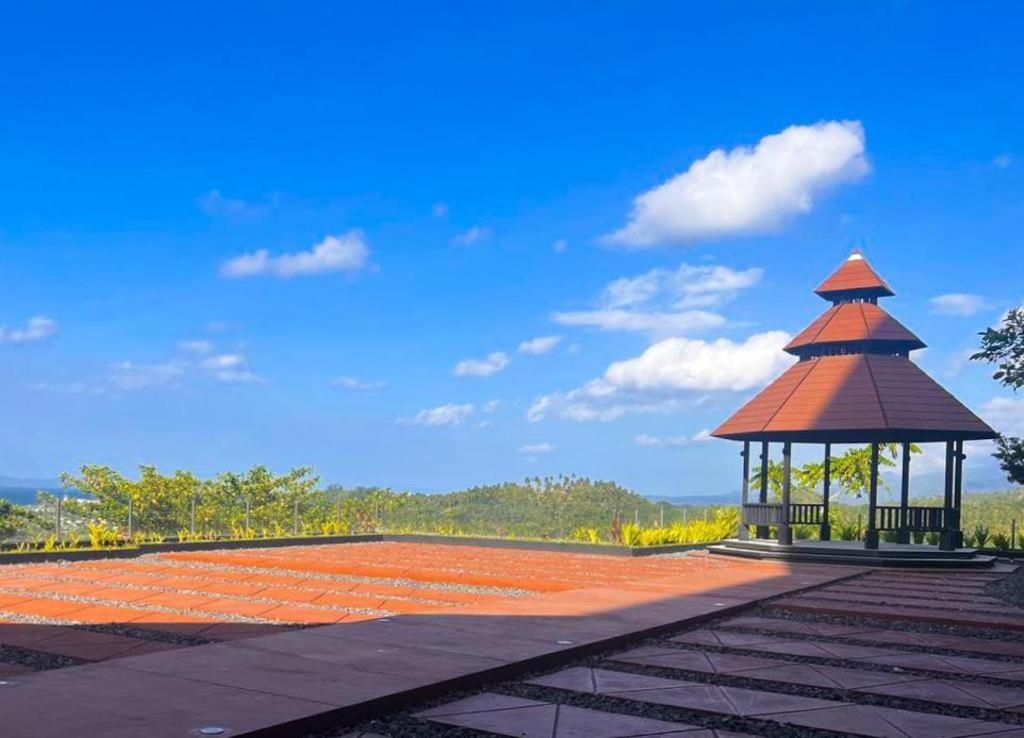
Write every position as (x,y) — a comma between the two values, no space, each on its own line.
(854,553)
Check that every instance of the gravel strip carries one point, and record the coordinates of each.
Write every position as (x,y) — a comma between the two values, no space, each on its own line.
(147,634)
(38,660)
(1009,589)
(396,581)
(28,594)
(158,589)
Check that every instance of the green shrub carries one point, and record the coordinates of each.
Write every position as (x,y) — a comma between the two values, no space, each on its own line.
(981,535)
(1001,542)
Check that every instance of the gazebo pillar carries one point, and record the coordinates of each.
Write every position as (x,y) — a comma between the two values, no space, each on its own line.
(946,542)
(958,488)
(762,530)
(871,535)
(785,532)
(743,533)
(903,534)
(825,533)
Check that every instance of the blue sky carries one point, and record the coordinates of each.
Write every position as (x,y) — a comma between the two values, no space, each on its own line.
(442,182)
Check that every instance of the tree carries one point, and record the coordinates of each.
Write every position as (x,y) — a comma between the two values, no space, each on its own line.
(851,472)
(1004,347)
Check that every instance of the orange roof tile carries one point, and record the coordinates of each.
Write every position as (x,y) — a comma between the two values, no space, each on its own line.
(854,398)
(854,276)
(854,321)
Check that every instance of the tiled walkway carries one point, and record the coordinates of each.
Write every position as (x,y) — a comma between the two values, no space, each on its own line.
(403,622)
(822,663)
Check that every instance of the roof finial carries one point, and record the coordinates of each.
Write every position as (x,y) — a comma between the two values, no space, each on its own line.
(855,255)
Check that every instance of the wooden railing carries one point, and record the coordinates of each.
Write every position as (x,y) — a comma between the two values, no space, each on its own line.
(919,519)
(761,513)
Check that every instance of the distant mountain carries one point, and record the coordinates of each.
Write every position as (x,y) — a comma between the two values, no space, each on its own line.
(724,498)
(23,491)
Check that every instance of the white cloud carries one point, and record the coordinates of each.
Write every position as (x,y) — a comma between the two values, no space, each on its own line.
(439,210)
(1005,414)
(230,368)
(661,323)
(1002,161)
(685,287)
(535,449)
(201,346)
(70,388)
(657,381)
(475,235)
(214,203)
(661,301)
(645,439)
(128,375)
(685,364)
(345,253)
(560,246)
(491,406)
(540,345)
(361,385)
(442,416)
(748,190)
(38,328)
(958,303)
(493,364)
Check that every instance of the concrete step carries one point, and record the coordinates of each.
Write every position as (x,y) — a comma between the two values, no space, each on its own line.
(791,556)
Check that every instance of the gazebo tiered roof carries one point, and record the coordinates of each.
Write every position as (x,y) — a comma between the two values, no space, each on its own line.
(855,381)
(854,322)
(854,276)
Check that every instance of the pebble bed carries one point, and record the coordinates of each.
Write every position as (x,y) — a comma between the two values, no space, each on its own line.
(405,724)
(1009,589)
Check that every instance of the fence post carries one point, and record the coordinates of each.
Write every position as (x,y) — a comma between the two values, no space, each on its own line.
(1013,534)
(57,516)
(131,522)
(661,516)
(247,522)
(192,518)
(295,525)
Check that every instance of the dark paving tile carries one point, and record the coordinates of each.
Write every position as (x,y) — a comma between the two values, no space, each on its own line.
(694,696)
(752,702)
(484,702)
(98,700)
(600,681)
(523,722)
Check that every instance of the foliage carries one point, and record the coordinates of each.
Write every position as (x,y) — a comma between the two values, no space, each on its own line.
(162,504)
(18,518)
(1010,453)
(724,524)
(850,473)
(1004,346)
(981,535)
(1001,542)
(544,508)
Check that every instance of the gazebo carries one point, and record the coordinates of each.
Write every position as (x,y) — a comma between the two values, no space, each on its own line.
(854,383)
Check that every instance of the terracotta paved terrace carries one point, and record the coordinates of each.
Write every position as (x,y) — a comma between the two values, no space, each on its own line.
(289,640)
(405,639)
(92,611)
